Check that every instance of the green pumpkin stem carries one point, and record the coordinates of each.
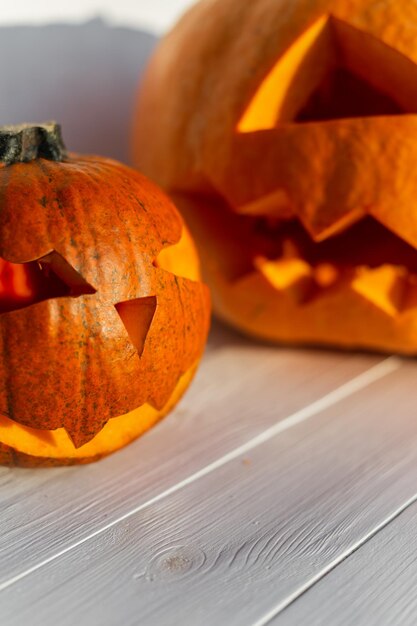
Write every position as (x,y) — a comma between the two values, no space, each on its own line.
(27,142)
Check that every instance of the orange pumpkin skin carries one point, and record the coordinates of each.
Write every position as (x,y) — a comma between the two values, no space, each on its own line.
(105,322)
(293,126)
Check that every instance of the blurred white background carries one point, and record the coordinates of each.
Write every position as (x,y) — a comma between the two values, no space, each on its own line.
(156,15)
(79,63)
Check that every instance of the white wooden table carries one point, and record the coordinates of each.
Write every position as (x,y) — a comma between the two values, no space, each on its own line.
(281,491)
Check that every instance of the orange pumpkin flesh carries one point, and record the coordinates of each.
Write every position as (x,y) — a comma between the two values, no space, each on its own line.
(103,316)
(294,141)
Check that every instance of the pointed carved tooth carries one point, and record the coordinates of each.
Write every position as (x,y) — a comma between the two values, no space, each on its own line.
(401,220)
(321,230)
(78,437)
(291,276)
(385,287)
(275,204)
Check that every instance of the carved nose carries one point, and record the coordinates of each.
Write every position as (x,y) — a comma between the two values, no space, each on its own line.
(137,316)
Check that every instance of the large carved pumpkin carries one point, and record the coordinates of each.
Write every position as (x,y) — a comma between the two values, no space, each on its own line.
(286,130)
(103,317)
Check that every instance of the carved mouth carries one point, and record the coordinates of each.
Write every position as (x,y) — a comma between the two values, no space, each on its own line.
(365,257)
(118,432)
(373,260)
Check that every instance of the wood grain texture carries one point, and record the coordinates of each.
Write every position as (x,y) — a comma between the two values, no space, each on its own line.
(241,389)
(375,586)
(240,541)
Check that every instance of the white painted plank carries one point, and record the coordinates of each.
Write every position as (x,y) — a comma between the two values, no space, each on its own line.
(242,540)
(242,389)
(375,586)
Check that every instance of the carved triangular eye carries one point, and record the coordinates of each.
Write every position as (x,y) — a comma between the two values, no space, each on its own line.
(137,316)
(333,71)
(50,276)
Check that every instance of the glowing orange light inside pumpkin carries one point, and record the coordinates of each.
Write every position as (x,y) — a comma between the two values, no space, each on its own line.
(22,284)
(16,289)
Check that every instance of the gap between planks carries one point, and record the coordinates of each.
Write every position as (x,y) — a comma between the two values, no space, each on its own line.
(375,373)
(270,617)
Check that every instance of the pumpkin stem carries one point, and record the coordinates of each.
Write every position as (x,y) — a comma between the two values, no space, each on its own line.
(27,142)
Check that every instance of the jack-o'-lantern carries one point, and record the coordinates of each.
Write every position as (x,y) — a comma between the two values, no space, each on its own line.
(286,131)
(103,318)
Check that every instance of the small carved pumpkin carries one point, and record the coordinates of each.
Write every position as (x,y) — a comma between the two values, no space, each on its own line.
(286,130)
(103,318)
